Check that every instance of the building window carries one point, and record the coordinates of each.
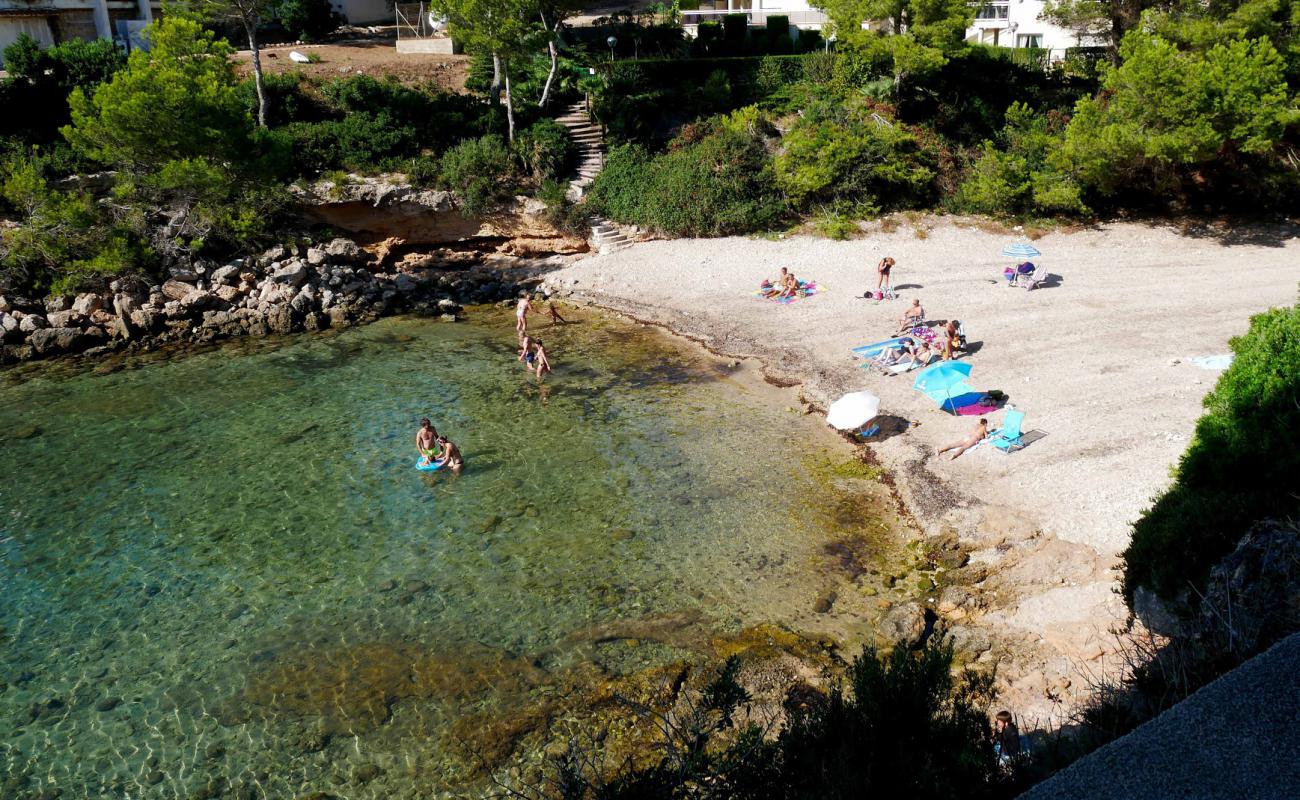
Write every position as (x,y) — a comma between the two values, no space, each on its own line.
(993,11)
(1029,40)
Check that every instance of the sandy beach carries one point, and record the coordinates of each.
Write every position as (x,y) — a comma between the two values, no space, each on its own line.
(1100,359)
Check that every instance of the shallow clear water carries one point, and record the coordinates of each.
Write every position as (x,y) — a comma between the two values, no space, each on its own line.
(222,576)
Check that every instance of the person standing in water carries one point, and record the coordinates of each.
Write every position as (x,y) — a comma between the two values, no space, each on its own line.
(426,441)
(526,353)
(555,313)
(521,315)
(451,457)
(542,364)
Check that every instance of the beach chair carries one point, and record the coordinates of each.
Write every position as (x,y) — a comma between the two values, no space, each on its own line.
(1007,438)
(1032,279)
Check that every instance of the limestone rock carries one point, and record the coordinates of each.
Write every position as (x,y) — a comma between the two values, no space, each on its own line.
(176,290)
(227,293)
(6,305)
(48,341)
(343,250)
(292,274)
(228,275)
(58,303)
(316,256)
(87,304)
(32,323)
(63,319)
(904,624)
(276,253)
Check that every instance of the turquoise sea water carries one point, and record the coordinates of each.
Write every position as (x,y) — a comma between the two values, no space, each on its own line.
(222,576)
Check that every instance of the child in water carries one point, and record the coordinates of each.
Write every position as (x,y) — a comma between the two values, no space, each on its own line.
(526,353)
(543,365)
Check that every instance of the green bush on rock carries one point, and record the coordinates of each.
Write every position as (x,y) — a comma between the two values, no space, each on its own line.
(1241,466)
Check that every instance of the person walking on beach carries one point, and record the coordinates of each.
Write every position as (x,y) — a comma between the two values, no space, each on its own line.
(977,434)
(521,315)
(426,441)
(884,284)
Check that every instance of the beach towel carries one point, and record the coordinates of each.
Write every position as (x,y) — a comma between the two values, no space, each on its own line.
(806,289)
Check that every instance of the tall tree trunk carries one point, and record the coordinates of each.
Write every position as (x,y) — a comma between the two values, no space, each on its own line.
(250,26)
(510,104)
(494,91)
(550,76)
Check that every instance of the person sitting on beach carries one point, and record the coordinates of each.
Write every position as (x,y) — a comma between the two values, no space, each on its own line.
(790,284)
(913,316)
(555,314)
(918,355)
(526,354)
(450,457)
(976,436)
(890,356)
(774,288)
(426,441)
(521,315)
(543,364)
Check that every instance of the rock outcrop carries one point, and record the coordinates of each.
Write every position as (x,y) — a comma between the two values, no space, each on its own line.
(284,290)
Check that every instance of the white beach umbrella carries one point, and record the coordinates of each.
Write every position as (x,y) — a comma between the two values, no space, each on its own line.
(853,410)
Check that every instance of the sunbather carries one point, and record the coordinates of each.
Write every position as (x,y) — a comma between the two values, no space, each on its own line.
(977,434)
(890,356)
(791,287)
(913,316)
(918,355)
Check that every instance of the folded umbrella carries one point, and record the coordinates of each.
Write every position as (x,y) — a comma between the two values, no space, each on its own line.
(853,410)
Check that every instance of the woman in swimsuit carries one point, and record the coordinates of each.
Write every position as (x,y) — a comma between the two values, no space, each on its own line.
(543,364)
(521,315)
(451,457)
(882,274)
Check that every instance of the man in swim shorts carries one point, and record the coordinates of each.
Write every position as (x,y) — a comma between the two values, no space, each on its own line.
(978,433)
(426,441)
(451,457)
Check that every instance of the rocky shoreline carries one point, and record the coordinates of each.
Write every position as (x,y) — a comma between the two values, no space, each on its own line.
(406,250)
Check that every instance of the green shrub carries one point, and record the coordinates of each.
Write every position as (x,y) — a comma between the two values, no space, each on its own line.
(480,172)
(735,27)
(40,81)
(356,142)
(545,150)
(308,20)
(715,185)
(778,26)
(289,99)
(1240,467)
(567,216)
(835,225)
(838,154)
(1017,175)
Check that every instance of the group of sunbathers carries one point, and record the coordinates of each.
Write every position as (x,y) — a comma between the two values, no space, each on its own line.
(785,285)
(946,344)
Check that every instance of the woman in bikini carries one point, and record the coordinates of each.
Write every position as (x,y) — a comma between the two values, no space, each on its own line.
(542,363)
(882,276)
(521,315)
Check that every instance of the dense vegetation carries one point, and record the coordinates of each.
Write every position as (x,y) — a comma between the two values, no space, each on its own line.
(902,726)
(1241,466)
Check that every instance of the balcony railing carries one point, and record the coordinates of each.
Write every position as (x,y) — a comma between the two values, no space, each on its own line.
(993,11)
(796,18)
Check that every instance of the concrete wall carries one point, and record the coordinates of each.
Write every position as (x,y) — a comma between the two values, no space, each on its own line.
(12,27)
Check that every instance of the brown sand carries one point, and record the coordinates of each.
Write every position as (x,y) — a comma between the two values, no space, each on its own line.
(1098,359)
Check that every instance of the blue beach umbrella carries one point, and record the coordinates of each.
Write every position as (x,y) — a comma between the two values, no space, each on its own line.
(945,383)
(1021,250)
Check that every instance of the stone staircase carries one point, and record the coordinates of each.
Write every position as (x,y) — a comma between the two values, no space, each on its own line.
(590,141)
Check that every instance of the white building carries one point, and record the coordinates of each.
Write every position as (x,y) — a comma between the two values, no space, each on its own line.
(53,21)
(1019,23)
(799,12)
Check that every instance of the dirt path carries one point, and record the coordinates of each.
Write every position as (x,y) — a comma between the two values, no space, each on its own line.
(1099,360)
(377,58)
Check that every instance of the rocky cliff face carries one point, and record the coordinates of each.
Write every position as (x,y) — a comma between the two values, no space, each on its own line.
(391,218)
